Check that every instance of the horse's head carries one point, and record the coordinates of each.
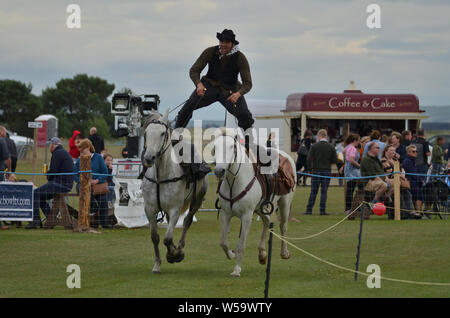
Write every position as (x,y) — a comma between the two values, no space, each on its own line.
(157,137)
(225,151)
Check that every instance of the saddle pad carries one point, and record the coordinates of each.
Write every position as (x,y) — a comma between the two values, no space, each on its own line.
(280,183)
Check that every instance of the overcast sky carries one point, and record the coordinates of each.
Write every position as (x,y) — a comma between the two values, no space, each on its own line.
(292,46)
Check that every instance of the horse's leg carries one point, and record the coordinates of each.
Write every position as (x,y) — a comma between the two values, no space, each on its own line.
(246,221)
(225,218)
(284,204)
(262,255)
(172,219)
(190,216)
(155,240)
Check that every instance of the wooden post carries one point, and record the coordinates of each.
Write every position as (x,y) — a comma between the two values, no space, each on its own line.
(85,194)
(397,190)
(34,154)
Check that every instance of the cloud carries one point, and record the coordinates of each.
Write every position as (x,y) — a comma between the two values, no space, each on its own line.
(292,46)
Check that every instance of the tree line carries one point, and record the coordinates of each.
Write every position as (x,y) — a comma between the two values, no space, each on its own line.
(79,103)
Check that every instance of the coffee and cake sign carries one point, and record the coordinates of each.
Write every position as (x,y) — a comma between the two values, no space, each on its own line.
(353,102)
(374,103)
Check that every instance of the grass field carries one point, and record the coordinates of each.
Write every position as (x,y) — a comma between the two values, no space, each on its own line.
(118,263)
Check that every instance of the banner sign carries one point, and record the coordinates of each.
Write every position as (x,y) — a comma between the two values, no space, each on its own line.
(407,103)
(126,168)
(16,201)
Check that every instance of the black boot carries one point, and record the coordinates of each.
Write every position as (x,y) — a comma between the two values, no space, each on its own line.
(33,225)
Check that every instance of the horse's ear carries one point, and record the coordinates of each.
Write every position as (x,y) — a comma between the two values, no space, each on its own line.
(166,116)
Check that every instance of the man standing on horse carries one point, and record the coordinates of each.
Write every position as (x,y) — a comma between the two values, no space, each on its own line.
(225,61)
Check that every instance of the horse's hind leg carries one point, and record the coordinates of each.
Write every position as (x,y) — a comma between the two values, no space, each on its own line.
(225,219)
(284,204)
(187,222)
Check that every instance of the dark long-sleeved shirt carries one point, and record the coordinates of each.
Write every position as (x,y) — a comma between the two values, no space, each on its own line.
(207,56)
(321,156)
(371,166)
(61,162)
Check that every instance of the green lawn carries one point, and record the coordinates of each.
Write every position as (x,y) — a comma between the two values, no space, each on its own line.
(118,263)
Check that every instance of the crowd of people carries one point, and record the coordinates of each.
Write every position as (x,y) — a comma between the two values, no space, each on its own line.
(367,163)
(63,172)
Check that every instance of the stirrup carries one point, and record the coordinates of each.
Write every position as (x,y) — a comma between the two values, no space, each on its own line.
(266,208)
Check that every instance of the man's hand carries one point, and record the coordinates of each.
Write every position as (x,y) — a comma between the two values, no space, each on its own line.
(234,97)
(200,89)
(94,181)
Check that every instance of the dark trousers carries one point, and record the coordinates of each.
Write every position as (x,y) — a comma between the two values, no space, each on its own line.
(323,183)
(215,94)
(422,169)
(351,185)
(44,193)
(301,163)
(99,203)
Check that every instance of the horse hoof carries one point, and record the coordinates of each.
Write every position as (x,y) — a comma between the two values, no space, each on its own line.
(235,274)
(262,260)
(179,258)
(286,255)
(156,269)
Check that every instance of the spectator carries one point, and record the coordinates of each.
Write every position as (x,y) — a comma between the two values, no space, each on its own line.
(400,149)
(339,147)
(406,137)
(5,157)
(362,145)
(351,168)
(99,171)
(96,140)
(437,156)
(108,161)
(423,152)
(447,153)
(60,162)
(389,157)
(12,150)
(302,152)
(372,166)
(409,165)
(375,137)
(320,158)
(73,142)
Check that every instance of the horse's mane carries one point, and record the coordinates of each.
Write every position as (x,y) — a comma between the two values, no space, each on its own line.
(153,116)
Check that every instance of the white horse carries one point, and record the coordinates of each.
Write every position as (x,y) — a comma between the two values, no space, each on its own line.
(164,189)
(240,195)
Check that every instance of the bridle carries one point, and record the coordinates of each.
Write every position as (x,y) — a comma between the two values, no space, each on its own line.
(161,151)
(232,199)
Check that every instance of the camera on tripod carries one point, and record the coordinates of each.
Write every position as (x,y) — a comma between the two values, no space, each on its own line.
(129,111)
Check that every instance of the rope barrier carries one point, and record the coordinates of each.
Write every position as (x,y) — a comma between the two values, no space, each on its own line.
(326,230)
(353,271)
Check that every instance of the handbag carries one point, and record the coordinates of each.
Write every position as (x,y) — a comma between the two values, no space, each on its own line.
(100,188)
(302,150)
(405,184)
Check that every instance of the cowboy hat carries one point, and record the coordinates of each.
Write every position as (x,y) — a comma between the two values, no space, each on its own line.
(227,35)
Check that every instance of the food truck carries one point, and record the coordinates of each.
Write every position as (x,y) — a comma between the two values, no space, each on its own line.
(351,111)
